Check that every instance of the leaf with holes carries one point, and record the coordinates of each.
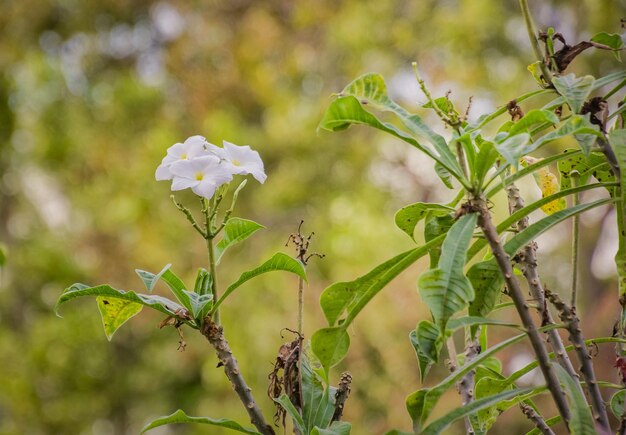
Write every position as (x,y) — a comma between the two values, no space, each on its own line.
(115,312)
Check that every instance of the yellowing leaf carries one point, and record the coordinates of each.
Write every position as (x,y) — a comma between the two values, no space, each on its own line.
(115,312)
(548,184)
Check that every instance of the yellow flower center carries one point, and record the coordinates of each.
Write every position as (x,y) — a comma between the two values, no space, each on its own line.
(199,176)
(183,156)
(236,162)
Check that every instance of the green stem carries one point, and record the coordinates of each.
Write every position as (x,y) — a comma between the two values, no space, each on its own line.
(534,41)
(209,212)
(210,248)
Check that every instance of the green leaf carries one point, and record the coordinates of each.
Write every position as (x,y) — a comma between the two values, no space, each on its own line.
(461,322)
(330,345)
(421,403)
(485,387)
(236,230)
(427,342)
(352,296)
(203,282)
(408,217)
(597,84)
(398,432)
(445,289)
(319,403)
(291,410)
(532,119)
(439,425)
(199,305)
(115,312)
(150,279)
(617,403)
(487,156)
(612,40)
(487,281)
(180,417)
(337,428)
(436,226)
(156,302)
(279,261)
(514,147)
(574,89)
(371,90)
(581,420)
(444,175)
(533,231)
(177,286)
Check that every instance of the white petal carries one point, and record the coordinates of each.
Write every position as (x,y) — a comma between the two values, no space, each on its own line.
(176,150)
(195,140)
(216,151)
(259,175)
(205,188)
(180,183)
(163,173)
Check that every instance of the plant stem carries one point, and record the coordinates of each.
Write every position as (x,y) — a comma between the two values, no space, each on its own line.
(215,335)
(533,416)
(209,215)
(300,339)
(568,315)
(504,262)
(575,242)
(528,262)
(534,41)
(466,384)
(189,216)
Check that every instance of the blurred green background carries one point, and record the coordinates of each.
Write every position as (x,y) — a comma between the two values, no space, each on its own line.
(93,92)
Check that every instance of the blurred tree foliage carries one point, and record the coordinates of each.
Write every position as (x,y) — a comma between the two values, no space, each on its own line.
(91,95)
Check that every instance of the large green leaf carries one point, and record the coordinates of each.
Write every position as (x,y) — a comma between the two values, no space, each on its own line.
(617,141)
(352,296)
(279,261)
(427,342)
(180,417)
(330,345)
(337,428)
(155,302)
(439,425)
(236,230)
(533,231)
(487,156)
(612,40)
(446,290)
(574,89)
(487,281)
(176,285)
(115,312)
(371,90)
(581,420)
(291,410)
(532,119)
(408,217)
(597,84)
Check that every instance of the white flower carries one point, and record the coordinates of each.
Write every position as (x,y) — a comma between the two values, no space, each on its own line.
(241,160)
(193,147)
(202,174)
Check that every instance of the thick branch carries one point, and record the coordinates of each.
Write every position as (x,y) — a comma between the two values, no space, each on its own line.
(576,337)
(527,260)
(539,422)
(215,334)
(504,262)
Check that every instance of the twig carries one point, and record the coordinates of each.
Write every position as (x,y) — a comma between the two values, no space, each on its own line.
(534,41)
(568,316)
(528,263)
(343,391)
(575,240)
(466,384)
(537,420)
(503,260)
(215,335)
(189,216)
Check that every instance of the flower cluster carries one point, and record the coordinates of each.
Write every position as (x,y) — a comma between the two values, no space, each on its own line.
(203,167)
